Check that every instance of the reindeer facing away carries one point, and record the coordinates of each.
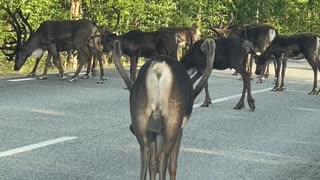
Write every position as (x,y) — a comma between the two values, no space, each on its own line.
(161,101)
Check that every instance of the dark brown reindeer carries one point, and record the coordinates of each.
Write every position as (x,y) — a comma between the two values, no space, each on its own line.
(136,43)
(284,47)
(82,35)
(161,101)
(230,53)
(186,35)
(260,35)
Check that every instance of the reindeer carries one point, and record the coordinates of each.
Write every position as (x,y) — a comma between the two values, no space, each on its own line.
(136,43)
(186,35)
(284,47)
(81,35)
(260,35)
(230,53)
(161,101)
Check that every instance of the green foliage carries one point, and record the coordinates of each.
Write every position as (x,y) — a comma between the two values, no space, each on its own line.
(288,16)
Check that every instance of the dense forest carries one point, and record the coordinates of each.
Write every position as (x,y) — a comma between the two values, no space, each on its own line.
(288,16)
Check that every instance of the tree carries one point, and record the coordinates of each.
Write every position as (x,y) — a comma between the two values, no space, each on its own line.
(76,9)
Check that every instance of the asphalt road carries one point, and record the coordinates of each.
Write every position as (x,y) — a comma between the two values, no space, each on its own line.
(57,130)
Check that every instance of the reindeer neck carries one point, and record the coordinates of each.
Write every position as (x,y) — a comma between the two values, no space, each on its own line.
(32,44)
(266,55)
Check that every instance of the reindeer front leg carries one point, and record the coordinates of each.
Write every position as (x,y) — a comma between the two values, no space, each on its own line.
(102,76)
(82,57)
(34,70)
(63,75)
(283,73)
(278,61)
(55,55)
(315,77)
(44,75)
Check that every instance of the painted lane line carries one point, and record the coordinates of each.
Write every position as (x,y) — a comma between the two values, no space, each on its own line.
(29,79)
(23,79)
(34,146)
(232,97)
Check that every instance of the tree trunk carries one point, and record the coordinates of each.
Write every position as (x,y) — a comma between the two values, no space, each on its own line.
(76,9)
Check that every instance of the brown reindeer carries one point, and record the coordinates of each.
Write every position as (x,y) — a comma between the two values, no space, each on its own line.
(260,35)
(161,100)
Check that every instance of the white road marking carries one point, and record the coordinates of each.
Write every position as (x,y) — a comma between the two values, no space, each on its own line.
(252,156)
(29,79)
(23,79)
(34,146)
(72,74)
(232,97)
(306,109)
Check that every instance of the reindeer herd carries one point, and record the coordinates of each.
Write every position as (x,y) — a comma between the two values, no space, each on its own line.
(162,94)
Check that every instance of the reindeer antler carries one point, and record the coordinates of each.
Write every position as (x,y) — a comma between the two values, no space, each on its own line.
(118,12)
(9,45)
(20,30)
(229,21)
(25,20)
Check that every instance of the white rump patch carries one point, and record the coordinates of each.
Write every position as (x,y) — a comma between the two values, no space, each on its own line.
(272,35)
(317,51)
(159,83)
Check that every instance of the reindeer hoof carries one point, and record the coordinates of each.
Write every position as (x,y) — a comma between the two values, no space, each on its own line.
(206,103)
(313,92)
(259,81)
(73,79)
(100,82)
(251,105)
(104,78)
(86,76)
(239,106)
(43,77)
(64,77)
(31,75)
(318,92)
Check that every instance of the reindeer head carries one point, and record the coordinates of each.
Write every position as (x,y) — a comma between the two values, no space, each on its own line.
(107,41)
(14,47)
(261,62)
